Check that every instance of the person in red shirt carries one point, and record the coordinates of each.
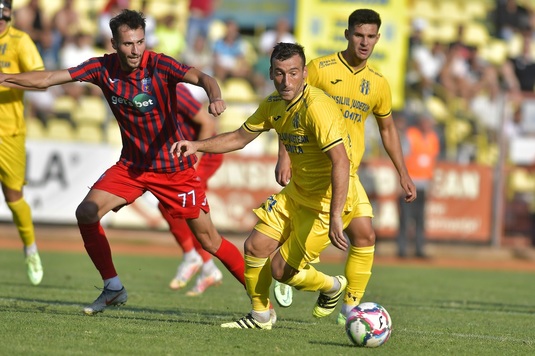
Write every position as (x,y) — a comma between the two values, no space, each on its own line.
(197,125)
(140,87)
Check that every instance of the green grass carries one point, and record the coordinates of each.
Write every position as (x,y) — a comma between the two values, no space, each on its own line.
(434,312)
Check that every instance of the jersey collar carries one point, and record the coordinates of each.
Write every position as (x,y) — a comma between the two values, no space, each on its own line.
(298,98)
(350,68)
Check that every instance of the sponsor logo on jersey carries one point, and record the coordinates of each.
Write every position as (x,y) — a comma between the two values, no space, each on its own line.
(141,102)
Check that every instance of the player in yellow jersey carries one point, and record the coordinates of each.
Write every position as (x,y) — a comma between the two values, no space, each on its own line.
(18,54)
(314,208)
(359,90)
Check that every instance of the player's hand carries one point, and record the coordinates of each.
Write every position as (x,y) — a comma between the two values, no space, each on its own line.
(183,148)
(283,172)
(283,168)
(409,188)
(336,234)
(216,107)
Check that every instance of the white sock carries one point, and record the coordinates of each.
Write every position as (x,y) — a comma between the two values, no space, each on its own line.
(192,256)
(113,283)
(346,308)
(30,250)
(208,267)
(334,289)
(262,317)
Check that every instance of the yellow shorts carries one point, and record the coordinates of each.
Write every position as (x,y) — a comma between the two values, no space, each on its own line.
(13,161)
(303,232)
(363,206)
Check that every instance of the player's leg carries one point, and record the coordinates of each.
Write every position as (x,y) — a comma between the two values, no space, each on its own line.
(291,264)
(209,275)
(419,222)
(359,262)
(361,252)
(210,239)
(191,261)
(257,248)
(98,202)
(192,205)
(12,176)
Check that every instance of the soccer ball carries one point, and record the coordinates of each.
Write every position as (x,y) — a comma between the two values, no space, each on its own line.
(368,324)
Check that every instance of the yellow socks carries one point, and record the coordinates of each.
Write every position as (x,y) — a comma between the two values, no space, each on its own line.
(22,217)
(310,279)
(257,281)
(358,272)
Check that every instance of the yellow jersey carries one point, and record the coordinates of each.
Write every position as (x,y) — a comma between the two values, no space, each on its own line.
(306,133)
(357,93)
(18,53)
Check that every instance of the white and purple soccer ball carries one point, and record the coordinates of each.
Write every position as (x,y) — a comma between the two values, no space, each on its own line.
(369,325)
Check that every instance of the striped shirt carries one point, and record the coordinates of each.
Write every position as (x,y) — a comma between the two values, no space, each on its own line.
(188,107)
(144,103)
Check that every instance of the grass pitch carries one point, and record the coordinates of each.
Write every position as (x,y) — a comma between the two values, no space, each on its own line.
(434,312)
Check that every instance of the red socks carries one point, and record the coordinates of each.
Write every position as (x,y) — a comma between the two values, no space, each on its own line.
(232,258)
(97,247)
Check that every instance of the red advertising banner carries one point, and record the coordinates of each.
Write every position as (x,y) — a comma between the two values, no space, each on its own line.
(240,185)
(459,206)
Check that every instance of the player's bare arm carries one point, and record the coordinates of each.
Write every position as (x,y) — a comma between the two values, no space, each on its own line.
(392,145)
(340,186)
(36,80)
(209,84)
(283,169)
(222,143)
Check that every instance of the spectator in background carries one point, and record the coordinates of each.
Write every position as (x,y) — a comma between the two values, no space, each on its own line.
(421,148)
(509,18)
(200,19)
(168,37)
(201,57)
(280,33)
(66,23)
(150,27)
(523,65)
(112,8)
(31,19)
(40,104)
(424,63)
(230,54)
(81,47)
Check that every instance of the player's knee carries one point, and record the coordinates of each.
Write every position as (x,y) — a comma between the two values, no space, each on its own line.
(87,212)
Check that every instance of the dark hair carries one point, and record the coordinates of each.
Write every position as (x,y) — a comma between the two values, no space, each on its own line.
(283,51)
(5,4)
(130,18)
(364,17)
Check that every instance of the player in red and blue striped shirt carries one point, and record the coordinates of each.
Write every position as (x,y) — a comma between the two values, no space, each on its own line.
(140,87)
(197,125)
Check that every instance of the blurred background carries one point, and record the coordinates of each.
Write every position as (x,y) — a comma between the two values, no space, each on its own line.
(468,66)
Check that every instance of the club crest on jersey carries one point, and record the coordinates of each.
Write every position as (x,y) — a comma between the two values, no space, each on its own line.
(365,87)
(146,85)
(295,120)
